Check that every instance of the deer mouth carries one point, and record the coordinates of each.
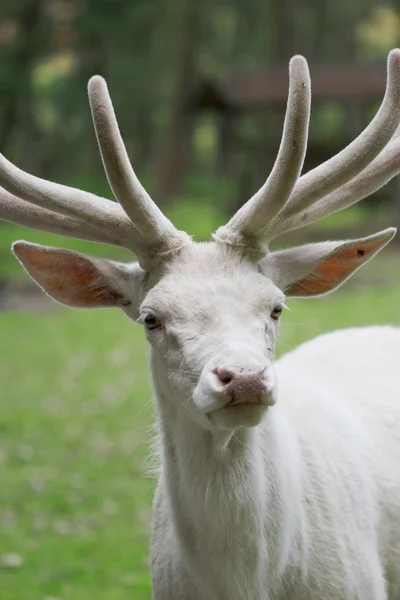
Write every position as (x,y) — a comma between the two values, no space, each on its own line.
(257,400)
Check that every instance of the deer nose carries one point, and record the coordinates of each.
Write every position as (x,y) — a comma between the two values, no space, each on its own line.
(243,383)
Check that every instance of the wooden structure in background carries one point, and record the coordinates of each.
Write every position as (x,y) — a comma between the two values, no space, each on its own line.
(268,87)
(260,96)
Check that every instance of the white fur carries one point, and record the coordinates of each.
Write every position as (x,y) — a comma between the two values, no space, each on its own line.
(301,502)
(304,506)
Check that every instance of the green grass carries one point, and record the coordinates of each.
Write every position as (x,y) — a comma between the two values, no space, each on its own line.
(74,413)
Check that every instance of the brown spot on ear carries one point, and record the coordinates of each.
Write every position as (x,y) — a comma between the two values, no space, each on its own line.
(333,270)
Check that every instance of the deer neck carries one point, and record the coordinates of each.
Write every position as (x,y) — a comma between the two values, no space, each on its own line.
(218,483)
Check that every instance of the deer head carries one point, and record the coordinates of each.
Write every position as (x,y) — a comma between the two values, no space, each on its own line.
(210,310)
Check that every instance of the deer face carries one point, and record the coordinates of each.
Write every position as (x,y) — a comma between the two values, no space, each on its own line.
(212,322)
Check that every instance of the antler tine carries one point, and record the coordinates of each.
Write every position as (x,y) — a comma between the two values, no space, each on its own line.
(353,159)
(17,211)
(152,226)
(376,175)
(88,208)
(252,219)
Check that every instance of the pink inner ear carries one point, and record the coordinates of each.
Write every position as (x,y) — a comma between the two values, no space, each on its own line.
(330,272)
(68,277)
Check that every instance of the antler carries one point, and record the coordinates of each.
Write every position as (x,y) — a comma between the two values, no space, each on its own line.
(251,220)
(23,213)
(376,175)
(139,225)
(343,180)
(153,229)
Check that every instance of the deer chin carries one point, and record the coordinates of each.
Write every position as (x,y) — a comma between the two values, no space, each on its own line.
(248,411)
(233,416)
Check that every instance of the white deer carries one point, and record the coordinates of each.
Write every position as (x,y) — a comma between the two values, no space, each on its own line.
(277,481)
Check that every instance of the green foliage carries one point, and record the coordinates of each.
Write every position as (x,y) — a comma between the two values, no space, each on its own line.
(198,218)
(379,32)
(203,208)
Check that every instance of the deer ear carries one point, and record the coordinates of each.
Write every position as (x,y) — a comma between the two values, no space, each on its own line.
(317,269)
(77,280)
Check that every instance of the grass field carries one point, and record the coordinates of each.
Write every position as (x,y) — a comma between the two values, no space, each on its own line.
(75,407)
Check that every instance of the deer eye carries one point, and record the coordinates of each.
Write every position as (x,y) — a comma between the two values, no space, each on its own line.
(276,313)
(151,322)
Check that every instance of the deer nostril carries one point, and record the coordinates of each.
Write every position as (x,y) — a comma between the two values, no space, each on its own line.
(225,378)
(224,375)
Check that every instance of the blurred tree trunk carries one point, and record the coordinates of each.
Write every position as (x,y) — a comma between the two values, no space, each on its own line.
(175,147)
(19,92)
(285,18)
(320,24)
(8,121)
(93,61)
(88,38)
